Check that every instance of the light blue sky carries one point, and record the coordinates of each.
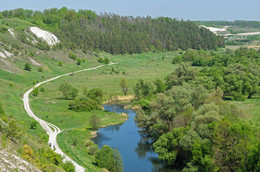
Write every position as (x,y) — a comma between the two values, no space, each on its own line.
(186,9)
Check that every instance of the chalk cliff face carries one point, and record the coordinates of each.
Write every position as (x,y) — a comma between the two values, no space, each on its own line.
(50,38)
(9,162)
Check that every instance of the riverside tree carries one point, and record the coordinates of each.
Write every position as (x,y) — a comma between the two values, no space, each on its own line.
(124,85)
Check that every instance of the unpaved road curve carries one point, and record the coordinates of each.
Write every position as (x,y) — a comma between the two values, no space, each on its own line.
(51,129)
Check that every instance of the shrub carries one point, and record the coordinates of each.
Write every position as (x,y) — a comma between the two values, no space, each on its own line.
(96,94)
(100,60)
(35,91)
(40,69)
(42,90)
(93,149)
(84,104)
(94,121)
(106,60)
(33,125)
(68,166)
(60,64)
(78,61)
(88,143)
(27,67)
(72,56)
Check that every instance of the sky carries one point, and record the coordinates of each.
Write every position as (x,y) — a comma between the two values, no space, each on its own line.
(181,9)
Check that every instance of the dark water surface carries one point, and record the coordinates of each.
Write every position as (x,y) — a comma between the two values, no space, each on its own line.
(136,153)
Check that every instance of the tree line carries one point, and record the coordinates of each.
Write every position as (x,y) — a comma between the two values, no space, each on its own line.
(116,34)
(189,124)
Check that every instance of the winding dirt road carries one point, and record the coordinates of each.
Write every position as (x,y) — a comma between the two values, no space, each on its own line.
(51,129)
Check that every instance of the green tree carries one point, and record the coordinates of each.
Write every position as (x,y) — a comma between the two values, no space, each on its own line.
(33,125)
(96,94)
(68,166)
(118,161)
(124,85)
(105,158)
(160,86)
(106,60)
(13,131)
(27,66)
(68,91)
(94,121)
(35,91)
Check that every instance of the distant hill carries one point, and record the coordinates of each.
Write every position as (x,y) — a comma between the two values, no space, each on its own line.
(115,34)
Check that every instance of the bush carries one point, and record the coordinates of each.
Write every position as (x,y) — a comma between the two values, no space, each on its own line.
(78,61)
(60,64)
(96,94)
(94,121)
(40,69)
(100,60)
(93,149)
(106,60)
(68,91)
(35,91)
(72,56)
(68,166)
(27,66)
(42,90)
(33,125)
(88,143)
(84,104)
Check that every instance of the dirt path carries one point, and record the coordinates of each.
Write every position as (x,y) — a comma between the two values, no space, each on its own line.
(51,129)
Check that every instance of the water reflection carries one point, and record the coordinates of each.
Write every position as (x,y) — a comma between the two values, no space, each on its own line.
(137,153)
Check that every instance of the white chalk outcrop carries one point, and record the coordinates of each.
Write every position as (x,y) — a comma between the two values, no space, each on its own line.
(216,30)
(4,54)
(50,38)
(11,31)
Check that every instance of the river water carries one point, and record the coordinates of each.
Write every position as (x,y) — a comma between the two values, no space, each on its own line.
(136,153)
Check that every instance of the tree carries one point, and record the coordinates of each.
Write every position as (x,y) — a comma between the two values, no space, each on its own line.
(28,153)
(96,94)
(13,131)
(124,85)
(118,161)
(94,121)
(106,60)
(27,66)
(35,91)
(68,91)
(33,125)
(79,61)
(160,86)
(68,166)
(105,158)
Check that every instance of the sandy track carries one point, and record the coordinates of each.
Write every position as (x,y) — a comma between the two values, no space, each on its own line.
(51,129)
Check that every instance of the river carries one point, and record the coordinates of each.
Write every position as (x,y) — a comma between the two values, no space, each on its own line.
(136,153)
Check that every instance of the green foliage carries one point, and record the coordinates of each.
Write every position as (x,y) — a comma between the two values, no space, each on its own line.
(35,91)
(27,67)
(79,61)
(68,166)
(60,64)
(42,90)
(93,149)
(124,85)
(68,91)
(100,60)
(40,69)
(13,131)
(72,56)
(33,125)
(143,89)
(84,104)
(110,159)
(96,94)
(94,122)
(106,60)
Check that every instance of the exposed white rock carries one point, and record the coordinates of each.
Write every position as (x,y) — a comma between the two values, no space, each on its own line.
(35,62)
(7,53)
(216,30)
(50,38)
(11,31)
(2,55)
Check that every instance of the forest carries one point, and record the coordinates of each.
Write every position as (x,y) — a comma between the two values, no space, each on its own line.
(186,119)
(116,34)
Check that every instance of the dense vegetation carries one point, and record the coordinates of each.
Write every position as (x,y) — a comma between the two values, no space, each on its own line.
(119,35)
(190,125)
